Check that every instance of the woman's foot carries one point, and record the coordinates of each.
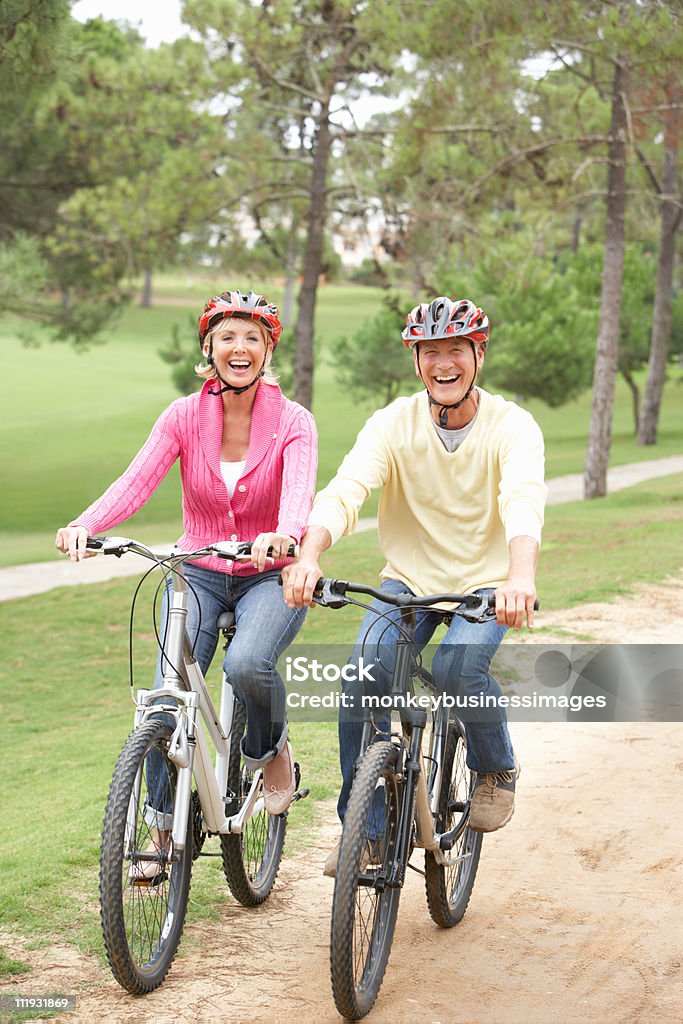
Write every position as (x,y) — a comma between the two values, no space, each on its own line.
(148,870)
(279,781)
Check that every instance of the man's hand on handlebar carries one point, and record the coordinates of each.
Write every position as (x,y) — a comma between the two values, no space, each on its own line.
(72,540)
(515,600)
(299,580)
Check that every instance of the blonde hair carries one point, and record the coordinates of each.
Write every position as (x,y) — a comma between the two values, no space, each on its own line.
(207,372)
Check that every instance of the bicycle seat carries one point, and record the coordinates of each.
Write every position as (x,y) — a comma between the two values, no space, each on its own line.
(226,620)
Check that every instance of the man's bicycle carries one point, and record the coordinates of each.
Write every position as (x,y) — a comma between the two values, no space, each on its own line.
(155,823)
(411,790)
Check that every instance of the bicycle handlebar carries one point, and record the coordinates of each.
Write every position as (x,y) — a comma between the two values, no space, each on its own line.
(230,550)
(331,593)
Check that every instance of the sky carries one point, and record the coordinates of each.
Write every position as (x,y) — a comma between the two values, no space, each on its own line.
(157,20)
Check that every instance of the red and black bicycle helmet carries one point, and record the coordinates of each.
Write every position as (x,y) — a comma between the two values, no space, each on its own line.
(446,318)
(234,303)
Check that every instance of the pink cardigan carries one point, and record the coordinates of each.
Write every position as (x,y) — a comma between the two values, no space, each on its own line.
(274,493)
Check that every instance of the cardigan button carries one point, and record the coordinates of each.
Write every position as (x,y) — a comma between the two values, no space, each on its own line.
(234,537)
(274,436)
(231,514)
(241,487)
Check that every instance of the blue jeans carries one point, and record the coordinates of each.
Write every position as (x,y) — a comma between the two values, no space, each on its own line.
(265,628)
(460,667)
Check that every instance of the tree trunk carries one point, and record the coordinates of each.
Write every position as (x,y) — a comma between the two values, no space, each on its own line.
(290,282)
(604,375)
(313,258)
(635,398)
(146,295)
(661,315)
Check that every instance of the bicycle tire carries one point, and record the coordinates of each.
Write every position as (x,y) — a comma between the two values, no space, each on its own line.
(142,920)
(363,914)
(449,887)
(251,859)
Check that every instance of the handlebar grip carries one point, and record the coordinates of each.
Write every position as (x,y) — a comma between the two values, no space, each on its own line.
(95,543)
(292,551)
(491,602)
(242,552)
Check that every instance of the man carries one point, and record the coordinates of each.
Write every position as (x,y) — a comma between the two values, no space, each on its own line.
(461,511)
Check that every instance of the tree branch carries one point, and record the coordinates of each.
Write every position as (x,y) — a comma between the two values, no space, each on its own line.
(523,154)
(283,83)
(649,169)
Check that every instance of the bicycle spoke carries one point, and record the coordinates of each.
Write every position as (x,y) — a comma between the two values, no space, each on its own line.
(251,859)
(449,886)
(364,906)
(143,907)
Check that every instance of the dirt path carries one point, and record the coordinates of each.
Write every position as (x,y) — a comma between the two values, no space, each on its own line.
(575,915)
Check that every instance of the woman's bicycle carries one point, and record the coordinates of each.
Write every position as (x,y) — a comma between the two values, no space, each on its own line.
(411,790)
(155,823)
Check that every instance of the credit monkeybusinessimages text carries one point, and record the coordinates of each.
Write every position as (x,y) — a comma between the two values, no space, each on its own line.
(571,702)
(306,670)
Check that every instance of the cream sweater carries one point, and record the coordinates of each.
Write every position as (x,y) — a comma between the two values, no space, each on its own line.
(445,519)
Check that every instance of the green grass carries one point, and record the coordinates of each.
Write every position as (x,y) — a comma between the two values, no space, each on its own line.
(65,704)
(72,422)
(10,968)
(596,550)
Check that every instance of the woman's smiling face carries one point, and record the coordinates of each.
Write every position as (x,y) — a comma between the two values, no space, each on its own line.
(239,348)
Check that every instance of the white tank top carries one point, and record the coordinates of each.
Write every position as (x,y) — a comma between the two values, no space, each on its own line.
(231,472)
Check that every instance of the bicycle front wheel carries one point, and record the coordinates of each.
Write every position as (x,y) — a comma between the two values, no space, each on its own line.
(449,887)
(251,858)
(144,881)
(364,907)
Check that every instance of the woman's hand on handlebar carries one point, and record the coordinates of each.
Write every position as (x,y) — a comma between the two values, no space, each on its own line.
(280,544)
(72,540)
(299,581)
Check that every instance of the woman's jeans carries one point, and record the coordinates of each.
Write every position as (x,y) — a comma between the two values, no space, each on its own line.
(265,627)
(460,667)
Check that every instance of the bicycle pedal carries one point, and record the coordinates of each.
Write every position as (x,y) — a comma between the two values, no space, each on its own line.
(300,794)
(149,883)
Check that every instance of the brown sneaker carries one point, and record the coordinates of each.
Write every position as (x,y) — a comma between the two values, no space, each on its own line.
(372,854)
(330,866)
(493,800)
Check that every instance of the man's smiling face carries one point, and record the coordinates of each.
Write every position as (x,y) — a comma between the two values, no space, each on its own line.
(447,366)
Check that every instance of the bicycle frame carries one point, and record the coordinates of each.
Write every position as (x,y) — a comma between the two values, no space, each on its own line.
(185,686)
(422,787)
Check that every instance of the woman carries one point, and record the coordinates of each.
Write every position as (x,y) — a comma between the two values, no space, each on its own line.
(248,459)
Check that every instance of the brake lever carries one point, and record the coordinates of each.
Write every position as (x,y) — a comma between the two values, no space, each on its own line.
(482,612)
(331,594)
(109,545)
(240,550)
(485,611)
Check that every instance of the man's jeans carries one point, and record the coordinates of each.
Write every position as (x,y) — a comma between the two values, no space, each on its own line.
(265,628)
(460,667)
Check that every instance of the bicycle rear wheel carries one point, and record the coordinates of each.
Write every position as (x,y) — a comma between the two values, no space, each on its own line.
(449,887)
(364,908)
(144,882)
(251,859)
